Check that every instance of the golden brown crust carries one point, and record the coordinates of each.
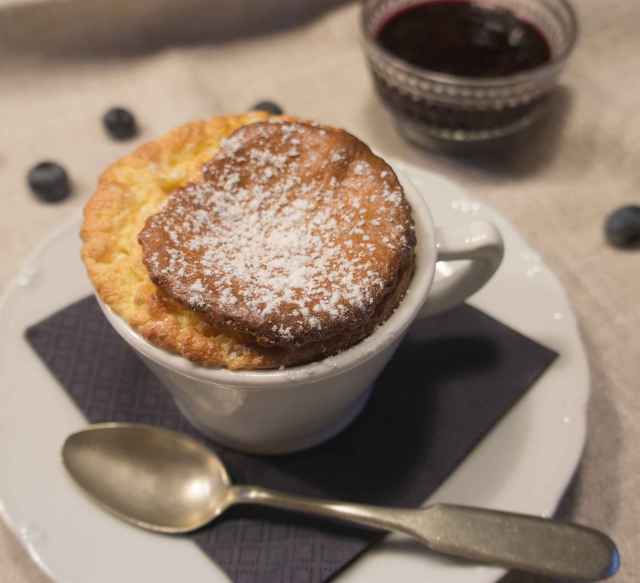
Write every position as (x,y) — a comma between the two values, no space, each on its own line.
(128,193)
(294,236)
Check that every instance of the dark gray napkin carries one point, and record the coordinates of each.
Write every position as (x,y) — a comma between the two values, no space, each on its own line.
(452,379)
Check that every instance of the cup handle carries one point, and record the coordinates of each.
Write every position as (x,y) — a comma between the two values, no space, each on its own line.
(478,242)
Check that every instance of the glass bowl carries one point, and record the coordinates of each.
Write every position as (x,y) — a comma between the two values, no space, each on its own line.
(430,107)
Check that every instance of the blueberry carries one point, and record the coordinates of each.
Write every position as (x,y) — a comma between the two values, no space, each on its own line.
(622,228)
(120,123)
(49,181)
(269,107)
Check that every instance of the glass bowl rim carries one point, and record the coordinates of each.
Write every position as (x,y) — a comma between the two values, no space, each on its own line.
(505,81)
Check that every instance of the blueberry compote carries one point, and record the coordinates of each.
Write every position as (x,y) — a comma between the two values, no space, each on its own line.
(466,39)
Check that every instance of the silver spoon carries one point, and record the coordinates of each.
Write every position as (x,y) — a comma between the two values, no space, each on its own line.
(167,482)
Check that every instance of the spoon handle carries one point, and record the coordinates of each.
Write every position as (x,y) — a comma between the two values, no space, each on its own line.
(517,541)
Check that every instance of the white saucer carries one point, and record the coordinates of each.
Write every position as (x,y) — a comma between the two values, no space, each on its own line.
(523,465)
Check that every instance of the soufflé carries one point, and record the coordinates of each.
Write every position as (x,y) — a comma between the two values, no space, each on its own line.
(250,241)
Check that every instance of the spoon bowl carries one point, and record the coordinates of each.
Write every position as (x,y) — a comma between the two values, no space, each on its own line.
(167,482)
(154,478)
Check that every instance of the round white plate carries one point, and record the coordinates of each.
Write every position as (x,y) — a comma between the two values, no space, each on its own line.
(524,464)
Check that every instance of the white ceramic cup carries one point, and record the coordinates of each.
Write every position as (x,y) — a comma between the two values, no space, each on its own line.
(281,411)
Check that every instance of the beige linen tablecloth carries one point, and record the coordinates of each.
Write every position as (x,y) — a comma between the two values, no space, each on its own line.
(64,63)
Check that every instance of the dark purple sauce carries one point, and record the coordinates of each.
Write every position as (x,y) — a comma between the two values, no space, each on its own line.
(464,38)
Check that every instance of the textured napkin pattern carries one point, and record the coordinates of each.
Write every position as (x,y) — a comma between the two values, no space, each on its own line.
(453,378)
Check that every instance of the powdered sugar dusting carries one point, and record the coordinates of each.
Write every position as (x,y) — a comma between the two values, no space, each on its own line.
(288,234)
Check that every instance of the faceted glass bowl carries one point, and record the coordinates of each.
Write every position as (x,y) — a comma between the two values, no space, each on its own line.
(431,107)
